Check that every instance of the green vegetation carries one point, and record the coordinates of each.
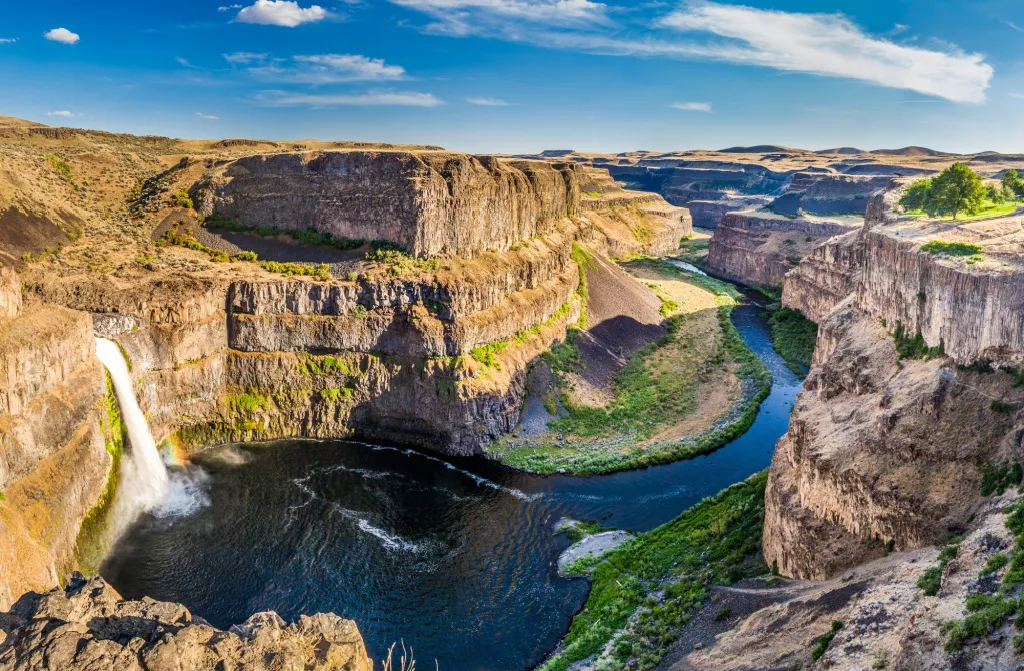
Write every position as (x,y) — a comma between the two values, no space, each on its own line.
(990,613)
(822,642)
(915,347)
(581,530)
(60,165)
(1013,185)
(951,248)
(994,563)
(997,479)
(397,261)
(90,545)
(693,251)
(714,543)
(315,366)
(334,394)
(931,580)
(320,271)
(958,189)
(180,198)
(591,194)
(488,354)
(247,403)
(307,236)
(793,335)
(646,398)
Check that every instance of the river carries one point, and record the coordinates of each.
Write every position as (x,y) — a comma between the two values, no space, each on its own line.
(455,557)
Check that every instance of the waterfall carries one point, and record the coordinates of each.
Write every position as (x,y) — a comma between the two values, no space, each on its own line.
(144,481)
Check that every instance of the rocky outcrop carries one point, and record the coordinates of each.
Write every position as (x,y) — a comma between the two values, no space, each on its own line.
(53,461)
(826,276)
(633,222)
(89,627)
(430,203)
(972,313)
(881,452)
(759,248)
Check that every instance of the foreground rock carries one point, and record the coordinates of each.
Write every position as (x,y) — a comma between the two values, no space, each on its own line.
(590,548)
(89,626)
(888,623)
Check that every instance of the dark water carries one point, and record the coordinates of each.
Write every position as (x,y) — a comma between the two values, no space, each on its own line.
(456,557)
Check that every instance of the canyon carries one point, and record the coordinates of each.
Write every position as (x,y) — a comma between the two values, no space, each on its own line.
(413,296)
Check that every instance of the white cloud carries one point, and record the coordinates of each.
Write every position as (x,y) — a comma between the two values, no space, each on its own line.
(467,17)
(1018,96)
(488,102)
(1014,26)
(245,57)
(820,44)
(829,44)
(60,113)
(693,107)
(327,69)
(210,117)
(280,13)
(62,35)
(228,8)
(281,99)
(8,40)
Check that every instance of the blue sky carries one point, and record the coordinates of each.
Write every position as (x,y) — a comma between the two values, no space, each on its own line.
(527,75)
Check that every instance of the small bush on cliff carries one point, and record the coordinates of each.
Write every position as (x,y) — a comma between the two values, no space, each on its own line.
(60,165)
(180,198)
(951,248)
(997,479)
(320,271)
(247,403)
(825,640)
(914,347)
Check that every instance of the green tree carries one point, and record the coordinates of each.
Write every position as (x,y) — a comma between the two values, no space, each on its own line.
(996,194)
(958,189)
(917,195)
(1012,183)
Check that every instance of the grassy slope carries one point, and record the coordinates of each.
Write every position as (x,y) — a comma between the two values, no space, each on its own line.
(645,400)
(793,336)
(715,542)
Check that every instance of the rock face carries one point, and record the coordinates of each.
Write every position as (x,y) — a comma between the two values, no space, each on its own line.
(975,314)
(882,450)
(826,276)
(430,203)
(88,626)
(53,465)
(759,248)
(635,222)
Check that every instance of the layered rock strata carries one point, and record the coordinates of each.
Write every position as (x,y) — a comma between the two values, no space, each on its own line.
(429,202)
(881,454)
(759,248)
(884,449)
(53,462)
(88,626)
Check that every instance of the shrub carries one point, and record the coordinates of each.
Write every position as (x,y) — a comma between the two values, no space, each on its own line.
(930,581)
(246,256)
(60,165)
(180,198)
(823,641)
(951,248)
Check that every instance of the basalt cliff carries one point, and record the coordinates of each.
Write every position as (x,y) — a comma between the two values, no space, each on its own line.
(263,290)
